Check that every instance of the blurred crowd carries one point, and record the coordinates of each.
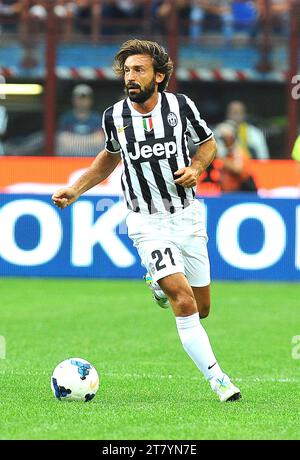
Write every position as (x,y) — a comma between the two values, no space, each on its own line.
(78,130)
(79,133)
(119,16)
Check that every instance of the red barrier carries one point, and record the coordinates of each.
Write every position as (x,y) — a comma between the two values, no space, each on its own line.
(44,175)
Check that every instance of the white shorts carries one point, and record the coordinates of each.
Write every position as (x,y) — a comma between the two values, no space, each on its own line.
(172,243)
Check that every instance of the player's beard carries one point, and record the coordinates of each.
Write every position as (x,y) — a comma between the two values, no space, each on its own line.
(143,95)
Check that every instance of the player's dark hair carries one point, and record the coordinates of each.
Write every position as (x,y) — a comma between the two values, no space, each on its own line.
(160,58)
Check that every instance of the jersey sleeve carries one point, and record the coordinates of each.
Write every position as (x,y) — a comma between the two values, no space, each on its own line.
(111,143)
(197,128)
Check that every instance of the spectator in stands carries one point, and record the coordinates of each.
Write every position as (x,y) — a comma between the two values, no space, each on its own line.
(234,175)
(280,14)
(129,8)
(10,11)
(250,137)
(161,11)
(83,16)
(212,11)
(245,16)
(3,126)
(121,9)
(80,130)
(62,9)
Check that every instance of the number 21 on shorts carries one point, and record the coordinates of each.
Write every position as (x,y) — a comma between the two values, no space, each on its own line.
(159,258)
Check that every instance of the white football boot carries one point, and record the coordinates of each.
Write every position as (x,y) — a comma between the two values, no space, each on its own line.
(157,294)
(225,389)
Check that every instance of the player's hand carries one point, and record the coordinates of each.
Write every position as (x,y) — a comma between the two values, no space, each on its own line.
(188,177)
(64,197)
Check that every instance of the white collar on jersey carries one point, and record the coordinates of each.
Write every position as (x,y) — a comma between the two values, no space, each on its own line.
(133,110)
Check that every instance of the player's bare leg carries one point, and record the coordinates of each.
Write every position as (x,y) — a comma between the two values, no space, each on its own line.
(180,294)
(193,336)
(202,297)
(201,294)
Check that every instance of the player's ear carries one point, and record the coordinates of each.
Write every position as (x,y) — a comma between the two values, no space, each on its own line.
(159,77)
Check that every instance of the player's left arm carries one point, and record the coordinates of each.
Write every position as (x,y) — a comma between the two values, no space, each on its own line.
(205,154)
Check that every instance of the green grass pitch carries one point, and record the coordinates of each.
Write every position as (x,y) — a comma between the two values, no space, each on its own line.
(149,387)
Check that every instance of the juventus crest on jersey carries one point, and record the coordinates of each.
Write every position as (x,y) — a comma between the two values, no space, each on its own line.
(153,146)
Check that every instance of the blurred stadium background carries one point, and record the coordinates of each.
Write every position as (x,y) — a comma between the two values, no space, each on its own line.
(239,61)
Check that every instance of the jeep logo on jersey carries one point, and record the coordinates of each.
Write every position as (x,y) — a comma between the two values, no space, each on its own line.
(152,149)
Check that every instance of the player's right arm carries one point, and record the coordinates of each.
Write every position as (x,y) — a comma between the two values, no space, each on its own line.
(102,166)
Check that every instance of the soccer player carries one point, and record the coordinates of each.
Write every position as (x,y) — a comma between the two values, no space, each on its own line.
(148,132)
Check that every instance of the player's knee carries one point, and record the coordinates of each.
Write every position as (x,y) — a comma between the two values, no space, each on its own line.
(204,310)
(184,304)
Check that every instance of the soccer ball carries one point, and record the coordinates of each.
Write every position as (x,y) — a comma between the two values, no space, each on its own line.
(74,379)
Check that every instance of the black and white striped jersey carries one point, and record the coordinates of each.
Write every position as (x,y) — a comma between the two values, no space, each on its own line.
(153,146)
